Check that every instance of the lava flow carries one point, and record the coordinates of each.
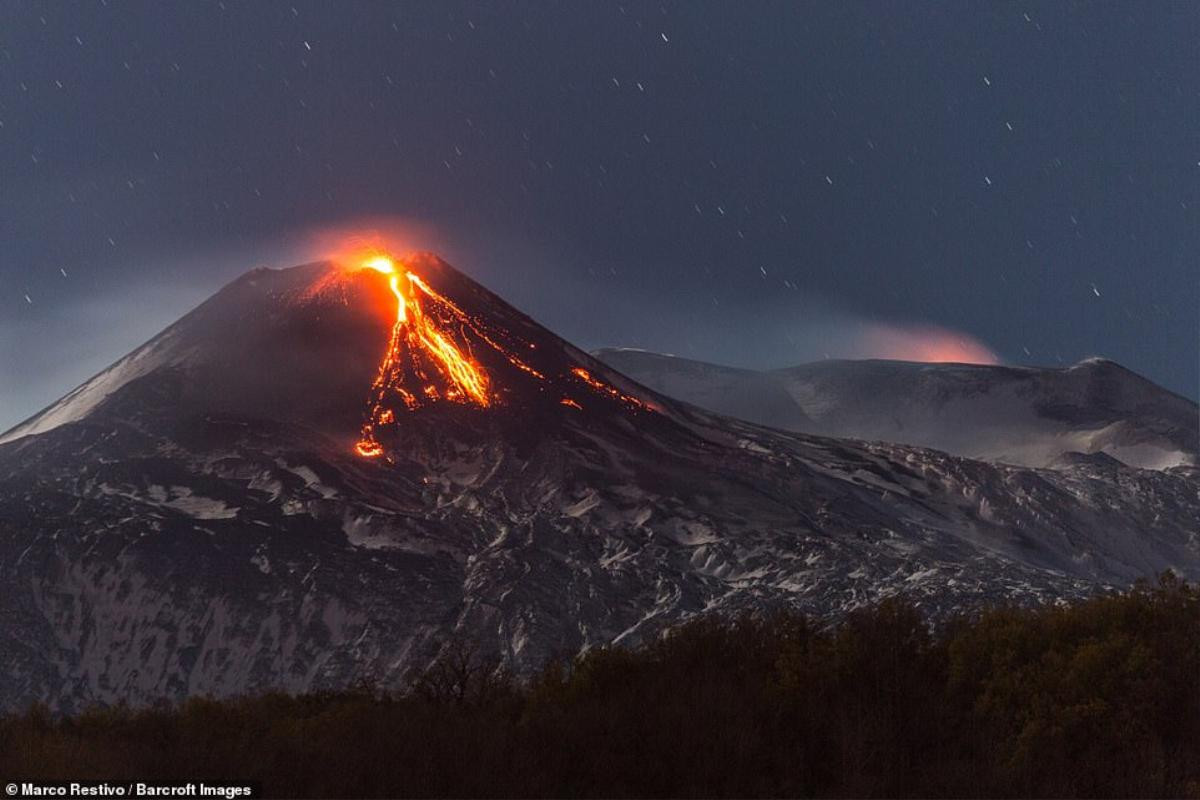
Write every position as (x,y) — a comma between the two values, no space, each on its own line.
(429,358)
(419,331)
(603,388)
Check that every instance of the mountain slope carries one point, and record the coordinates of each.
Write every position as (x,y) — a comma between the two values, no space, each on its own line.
(1019,415)
(200,518)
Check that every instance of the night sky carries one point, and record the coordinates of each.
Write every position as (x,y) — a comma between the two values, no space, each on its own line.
(758,183)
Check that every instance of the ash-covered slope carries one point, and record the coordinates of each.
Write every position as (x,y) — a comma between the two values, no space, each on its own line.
(272,344)
(200,519)
(1018,415)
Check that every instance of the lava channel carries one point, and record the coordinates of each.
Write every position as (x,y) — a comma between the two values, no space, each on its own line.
(419,337)
(423,364)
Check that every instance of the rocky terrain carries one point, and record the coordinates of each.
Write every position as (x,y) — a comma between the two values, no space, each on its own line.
(198,519)
(1019,415)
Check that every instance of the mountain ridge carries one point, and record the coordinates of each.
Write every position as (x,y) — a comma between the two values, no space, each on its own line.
(1029,416)
(177,539)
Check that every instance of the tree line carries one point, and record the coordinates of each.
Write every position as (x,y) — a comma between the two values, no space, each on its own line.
(1099,698)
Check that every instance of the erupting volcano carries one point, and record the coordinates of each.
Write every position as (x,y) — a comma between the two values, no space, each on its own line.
(220,512)
(431,356)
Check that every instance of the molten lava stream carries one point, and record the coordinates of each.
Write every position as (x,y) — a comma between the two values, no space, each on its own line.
(416,333)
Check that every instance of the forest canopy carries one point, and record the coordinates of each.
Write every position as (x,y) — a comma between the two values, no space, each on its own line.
(1094,699)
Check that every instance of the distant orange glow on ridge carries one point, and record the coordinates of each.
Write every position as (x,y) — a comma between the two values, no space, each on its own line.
(925,343)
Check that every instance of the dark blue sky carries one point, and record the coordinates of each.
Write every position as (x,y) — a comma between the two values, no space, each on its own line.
(756,183)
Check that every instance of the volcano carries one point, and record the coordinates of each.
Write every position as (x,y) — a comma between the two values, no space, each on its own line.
(324,475)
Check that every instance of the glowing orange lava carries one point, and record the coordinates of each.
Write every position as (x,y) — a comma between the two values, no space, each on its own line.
(429,357)
(418,332)
(603,388)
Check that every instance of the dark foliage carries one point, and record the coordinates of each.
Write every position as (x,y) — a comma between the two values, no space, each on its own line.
(1097,699)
